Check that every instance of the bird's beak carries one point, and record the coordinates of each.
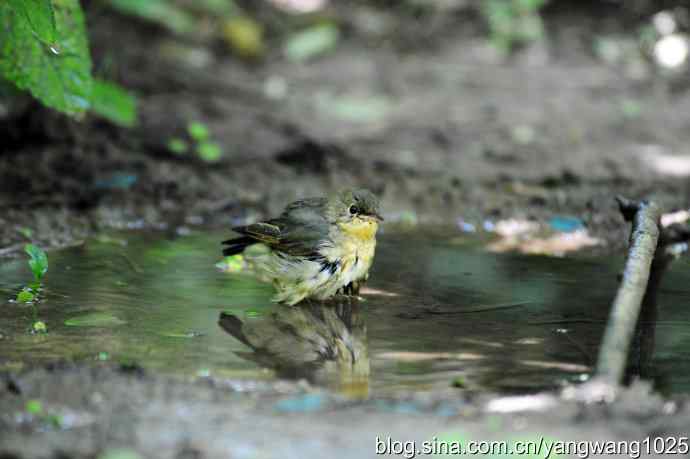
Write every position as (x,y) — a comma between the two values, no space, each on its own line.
(374,216)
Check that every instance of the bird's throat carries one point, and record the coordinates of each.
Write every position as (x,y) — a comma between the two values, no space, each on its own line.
(360,230)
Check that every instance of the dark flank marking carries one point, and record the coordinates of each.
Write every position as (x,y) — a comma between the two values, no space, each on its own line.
(331,266)
(237,245)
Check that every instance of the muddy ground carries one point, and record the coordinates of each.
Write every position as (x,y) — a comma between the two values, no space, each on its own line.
(158,417)
(449,130)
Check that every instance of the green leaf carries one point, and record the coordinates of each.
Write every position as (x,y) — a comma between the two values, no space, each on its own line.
(39,327)
(161,11)
(26,232)
(38,261)
(114,103)
(178,146)
(95,319)
(209,151)
(25,296)
(40,16)
(55,71)
(198,131)
(34,406)
(312,42)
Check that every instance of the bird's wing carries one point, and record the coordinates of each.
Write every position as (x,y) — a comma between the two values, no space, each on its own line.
(298,231)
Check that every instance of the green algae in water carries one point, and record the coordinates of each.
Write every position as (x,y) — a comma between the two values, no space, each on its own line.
(183,335)
(95,319)
(25,296)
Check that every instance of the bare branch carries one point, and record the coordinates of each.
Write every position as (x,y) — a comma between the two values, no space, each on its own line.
(626,306)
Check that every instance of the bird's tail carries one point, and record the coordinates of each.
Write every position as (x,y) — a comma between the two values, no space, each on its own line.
(237,245)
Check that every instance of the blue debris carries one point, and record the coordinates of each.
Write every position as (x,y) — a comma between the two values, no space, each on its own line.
(466,227)
(446,411)
(117,180)
(302,404)
(565,224)
(400,407)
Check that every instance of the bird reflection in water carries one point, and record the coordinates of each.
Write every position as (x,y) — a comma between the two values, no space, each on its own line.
(322,343)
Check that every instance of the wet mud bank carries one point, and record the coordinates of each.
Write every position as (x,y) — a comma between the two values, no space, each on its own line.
(87,412)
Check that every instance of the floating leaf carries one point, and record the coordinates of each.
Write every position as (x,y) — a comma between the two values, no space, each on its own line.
(95,319)
(114,103)
(25,296)
(38,261)
(312,42)
(54,65)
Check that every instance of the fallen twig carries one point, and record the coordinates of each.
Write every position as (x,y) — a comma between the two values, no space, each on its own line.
(10,249)
(625,311)
(483,308)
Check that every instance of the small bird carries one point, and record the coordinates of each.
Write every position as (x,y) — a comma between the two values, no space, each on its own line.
(320,247)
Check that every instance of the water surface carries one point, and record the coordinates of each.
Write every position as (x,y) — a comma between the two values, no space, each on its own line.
(440,311)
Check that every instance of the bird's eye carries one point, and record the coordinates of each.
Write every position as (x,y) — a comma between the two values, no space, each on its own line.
(354,210)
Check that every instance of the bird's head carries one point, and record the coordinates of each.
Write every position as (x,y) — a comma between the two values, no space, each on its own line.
(355,208)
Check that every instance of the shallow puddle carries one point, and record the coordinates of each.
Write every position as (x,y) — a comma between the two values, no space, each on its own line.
(437,313)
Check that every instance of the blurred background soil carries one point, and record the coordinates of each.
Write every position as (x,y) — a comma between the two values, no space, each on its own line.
(413,103)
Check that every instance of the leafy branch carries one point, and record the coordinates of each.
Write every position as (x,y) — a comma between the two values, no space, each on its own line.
(44,50)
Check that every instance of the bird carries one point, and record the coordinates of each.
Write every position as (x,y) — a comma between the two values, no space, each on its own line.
(319,247)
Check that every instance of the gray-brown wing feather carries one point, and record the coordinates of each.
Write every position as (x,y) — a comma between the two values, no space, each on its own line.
(298,231)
